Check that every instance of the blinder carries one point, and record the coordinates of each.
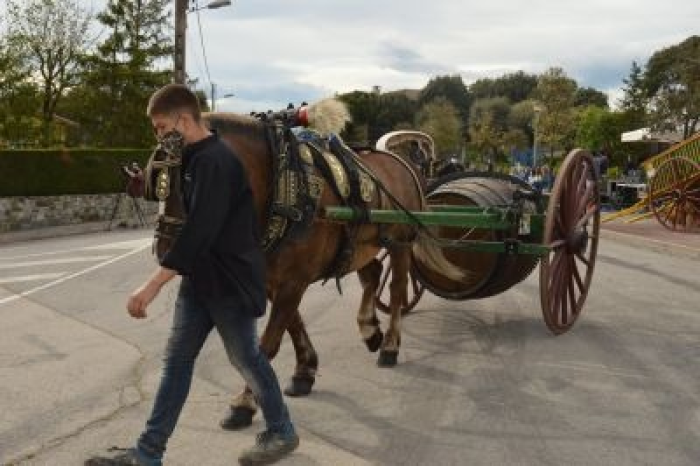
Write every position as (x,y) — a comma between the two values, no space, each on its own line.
(162,170)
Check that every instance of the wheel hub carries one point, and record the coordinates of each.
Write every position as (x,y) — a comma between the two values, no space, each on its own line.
(577,241)
(678,196)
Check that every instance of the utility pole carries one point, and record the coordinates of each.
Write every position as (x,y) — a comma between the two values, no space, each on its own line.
(213,97)
(181,10)
(180,41)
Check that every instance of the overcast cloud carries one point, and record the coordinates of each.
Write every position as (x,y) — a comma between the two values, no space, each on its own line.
(270,52)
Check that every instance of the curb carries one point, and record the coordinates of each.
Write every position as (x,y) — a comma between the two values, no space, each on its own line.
(674,249)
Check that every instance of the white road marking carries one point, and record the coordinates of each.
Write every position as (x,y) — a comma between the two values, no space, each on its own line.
(67,260)
(116,245)
(31,278)
(71,276)
(136,243)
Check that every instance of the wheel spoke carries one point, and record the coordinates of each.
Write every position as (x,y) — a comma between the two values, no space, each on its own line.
(587,216)
(584,201)
(557,244)
(385,278)
(580,174)
(674,169)
(572,293)
(572,198)
(560,225)
(554,273)
(666,209)
(576,275)
(583,259)
(562,292)
(671,209)
(663,198)
(416,285)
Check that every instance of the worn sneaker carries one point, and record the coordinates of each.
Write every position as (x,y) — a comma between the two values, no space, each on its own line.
(269,447)
(124,457)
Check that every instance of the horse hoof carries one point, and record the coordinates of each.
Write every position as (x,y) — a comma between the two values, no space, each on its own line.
(375,341)
(299,386)
(387,358)
(239,417)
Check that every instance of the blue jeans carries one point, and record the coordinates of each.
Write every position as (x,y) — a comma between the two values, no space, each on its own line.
(192,323)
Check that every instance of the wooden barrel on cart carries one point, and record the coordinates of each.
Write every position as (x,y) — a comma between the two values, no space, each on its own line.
(488,273)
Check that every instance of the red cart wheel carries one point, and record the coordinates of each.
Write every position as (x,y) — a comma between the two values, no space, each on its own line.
(415,288)
(571,232)
(674,194)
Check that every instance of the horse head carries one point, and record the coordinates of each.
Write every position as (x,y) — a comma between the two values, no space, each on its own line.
(163,185)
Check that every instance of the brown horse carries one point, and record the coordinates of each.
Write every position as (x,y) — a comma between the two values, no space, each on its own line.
(302,262)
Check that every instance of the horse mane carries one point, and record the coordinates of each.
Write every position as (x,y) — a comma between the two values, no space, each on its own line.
(327,116)
(234,123)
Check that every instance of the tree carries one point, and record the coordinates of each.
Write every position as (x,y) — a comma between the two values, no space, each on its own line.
(586,96)
(364,109)
(440,119)
(497,107)
(13,66)
(522,117)
(672,83)
(122,73)
(396,110)
(634,100)
(516,87)
(556,94)
(452,89)
(599,128)
(54,35)
(489,129)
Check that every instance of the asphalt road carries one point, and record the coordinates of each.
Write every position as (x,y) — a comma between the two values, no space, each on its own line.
(478,383)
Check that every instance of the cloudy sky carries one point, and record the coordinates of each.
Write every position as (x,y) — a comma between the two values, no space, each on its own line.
(270,52)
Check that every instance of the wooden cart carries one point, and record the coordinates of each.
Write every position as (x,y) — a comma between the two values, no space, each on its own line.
(498,228)
(673,192)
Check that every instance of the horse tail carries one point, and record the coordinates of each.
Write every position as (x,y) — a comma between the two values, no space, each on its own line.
(430,255)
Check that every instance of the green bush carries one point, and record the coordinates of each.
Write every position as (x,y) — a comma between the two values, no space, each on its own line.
(54,172)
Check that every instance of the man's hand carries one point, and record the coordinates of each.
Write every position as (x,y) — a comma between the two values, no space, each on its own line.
(146,293)
(141,298)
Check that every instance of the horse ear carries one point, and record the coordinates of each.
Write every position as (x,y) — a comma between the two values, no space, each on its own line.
(328,116)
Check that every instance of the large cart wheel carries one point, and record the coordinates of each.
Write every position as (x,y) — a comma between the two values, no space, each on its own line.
(382,296)
(571,232)
(674,194)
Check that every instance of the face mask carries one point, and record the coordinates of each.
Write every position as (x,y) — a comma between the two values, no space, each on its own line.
(172,143)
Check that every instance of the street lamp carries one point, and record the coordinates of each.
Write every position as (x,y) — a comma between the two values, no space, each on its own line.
(181,10)
(211,5)
(213,96)
(537,109)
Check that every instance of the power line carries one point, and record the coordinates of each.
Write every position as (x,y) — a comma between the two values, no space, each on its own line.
(204,52)
(198,61)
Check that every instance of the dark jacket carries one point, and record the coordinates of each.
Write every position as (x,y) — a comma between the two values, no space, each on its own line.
(219,249)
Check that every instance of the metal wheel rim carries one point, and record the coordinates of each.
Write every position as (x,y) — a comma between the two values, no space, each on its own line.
(668,199)
(574,208)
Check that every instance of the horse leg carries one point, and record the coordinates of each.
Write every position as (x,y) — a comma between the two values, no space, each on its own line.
(244,406)
(307,359)
(367,319)
(400,264)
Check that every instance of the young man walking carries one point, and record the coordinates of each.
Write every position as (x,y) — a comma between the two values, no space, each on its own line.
(219,257)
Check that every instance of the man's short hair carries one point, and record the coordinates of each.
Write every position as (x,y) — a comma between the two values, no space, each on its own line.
(174,98)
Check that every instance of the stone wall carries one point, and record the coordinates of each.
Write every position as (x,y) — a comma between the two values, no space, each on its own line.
(28,213)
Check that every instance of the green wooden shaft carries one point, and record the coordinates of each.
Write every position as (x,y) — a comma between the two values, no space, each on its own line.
(492,220)
(497,247)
